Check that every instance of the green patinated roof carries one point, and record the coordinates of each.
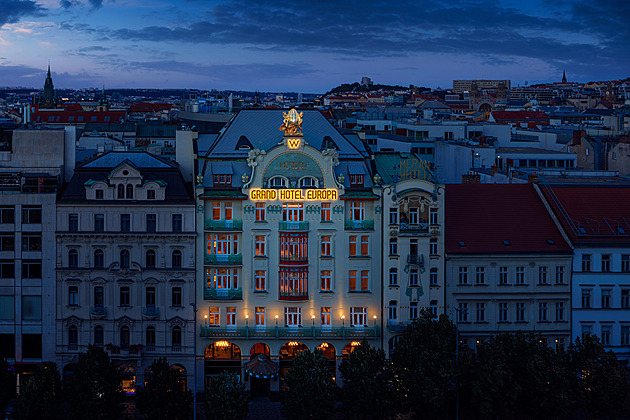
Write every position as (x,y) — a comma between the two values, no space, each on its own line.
(89,182)
(394,167)
(225,194)
(364,195)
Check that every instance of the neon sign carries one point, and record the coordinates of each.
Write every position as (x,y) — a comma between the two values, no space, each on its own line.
(293,143)
(259,194)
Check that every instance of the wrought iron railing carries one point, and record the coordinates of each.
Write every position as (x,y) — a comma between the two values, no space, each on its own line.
(288,332)
(224,259)
(236,224)
(359,224)
(222,294)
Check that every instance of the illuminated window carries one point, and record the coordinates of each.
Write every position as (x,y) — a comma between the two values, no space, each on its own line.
(222,278)
(260,212)
(292,316)
(357,210)
(230,313)
(293,246)
(259,316)
(326,281)
(222,244)
(227,210)
(216,210)
(213,316)
(260,242)
(358,316)
(325,212)
(293,212)
(260,280)
(325,316)
(326,246)
(294,282)
(358,281)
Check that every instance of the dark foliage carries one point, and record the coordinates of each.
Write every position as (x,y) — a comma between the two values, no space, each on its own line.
(226,398)
(163,397)
(41,397)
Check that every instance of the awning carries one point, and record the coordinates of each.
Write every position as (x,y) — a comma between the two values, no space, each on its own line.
(260,366)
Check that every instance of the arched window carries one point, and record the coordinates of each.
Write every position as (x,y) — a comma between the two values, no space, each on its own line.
(121,191)
(99,258)
(73,258)
(73,337)
(278,182)
(150,259)
(124,337)
(150,338)
(99,336)
(308,182)
(124,258)
(176,259)
(129,191)
(176,338)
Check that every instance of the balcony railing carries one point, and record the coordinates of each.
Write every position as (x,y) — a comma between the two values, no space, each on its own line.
(223,294)
(236,224)
(224,259)
(293,225)
(417,260)
(416,228)
(98,310)
(151,311)
(359,224)
(293,295)
(286,332)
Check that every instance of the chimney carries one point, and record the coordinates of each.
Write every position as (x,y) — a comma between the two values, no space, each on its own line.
(577,136)
(532,178)
(471,178)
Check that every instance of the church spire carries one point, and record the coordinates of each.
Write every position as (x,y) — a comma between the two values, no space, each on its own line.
(564,76)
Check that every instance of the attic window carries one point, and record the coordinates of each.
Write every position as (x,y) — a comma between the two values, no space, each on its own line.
(223,179)
(150,194)
(620,230)
(582,229)
(243,143)
(461,243)
(99,194)
(125,172)
(550,242)
(506,243)
(356,180)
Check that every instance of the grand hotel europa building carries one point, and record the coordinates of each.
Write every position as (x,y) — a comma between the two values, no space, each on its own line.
(299,231)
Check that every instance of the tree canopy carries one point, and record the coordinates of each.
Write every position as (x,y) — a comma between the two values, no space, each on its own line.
(163,397)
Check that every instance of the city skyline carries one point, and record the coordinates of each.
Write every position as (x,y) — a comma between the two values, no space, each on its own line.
(309,47)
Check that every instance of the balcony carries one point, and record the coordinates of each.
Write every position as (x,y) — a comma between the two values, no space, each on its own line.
(150,312)
(98,311)
(236,224)
(223,294)
(293,296)
(293,225)
(222,259)
(416,260)
(286,332)
(413,229)
(359,224)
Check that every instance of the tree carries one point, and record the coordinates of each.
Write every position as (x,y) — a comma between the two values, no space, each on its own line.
(603,384)
(41,397)
(425,366)
(95,388)
(226,398)
(367,384)
(311,389)
(7,384)
(516,375)
(163,397)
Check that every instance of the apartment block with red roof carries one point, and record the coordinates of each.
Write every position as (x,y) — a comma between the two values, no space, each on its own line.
(597,221)
(507,264)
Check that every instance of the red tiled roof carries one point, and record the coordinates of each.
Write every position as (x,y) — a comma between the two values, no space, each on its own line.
(596,213)
(77,117)
(480,217)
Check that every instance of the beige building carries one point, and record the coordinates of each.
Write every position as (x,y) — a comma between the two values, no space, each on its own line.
(508,264)
(461,86)
(413,242)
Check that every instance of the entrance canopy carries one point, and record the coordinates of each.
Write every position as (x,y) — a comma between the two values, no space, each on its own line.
(260,366)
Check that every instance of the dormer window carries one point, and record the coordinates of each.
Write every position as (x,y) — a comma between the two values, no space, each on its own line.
(121,191)
(223,179)
(99,194)
(150,194)
(278,182)
(356,180)
(129,191)
(308,182)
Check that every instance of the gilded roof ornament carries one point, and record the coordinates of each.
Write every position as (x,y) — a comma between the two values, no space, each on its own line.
(292,125)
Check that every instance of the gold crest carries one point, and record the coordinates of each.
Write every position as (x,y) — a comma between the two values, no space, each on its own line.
(292,125)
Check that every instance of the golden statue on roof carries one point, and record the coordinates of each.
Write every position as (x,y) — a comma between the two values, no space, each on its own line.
(292,125)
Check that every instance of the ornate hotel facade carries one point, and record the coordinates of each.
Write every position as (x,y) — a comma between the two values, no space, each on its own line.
(290,253)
